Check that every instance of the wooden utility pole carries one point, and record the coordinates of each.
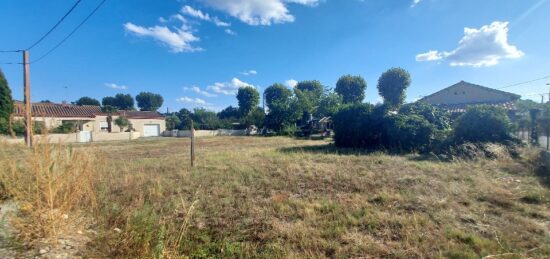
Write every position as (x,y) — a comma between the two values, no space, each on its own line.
(192,144)
(28,105)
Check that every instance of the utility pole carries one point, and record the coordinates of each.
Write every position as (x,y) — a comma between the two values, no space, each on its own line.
(27,101)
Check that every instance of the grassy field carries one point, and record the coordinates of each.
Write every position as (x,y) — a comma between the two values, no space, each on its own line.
(287,198)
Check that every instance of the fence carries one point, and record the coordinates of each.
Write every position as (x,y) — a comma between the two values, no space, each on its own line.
(204,133)
(80,137)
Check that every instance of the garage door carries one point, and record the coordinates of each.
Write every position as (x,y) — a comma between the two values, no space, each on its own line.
(151,130)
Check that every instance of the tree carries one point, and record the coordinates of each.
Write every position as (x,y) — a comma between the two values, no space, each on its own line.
(283,113)
(122,122)
(109,101)
(87,101)
(185,117)
(147,101)
(124,101)
(329,105)
(229,113)
(248,98)
(205,119)
(309,95)
(276,92)
(256,117)
(172,122)
(6,103)
(392,85)
(351,88)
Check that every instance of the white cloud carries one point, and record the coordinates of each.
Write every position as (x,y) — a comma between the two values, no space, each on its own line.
(250,73)
(115,86)
(259,12)
(478,48)
(199,91)
(431,55)
(193,101)
(291,83)
(415,2)
(230,32)
(179,39)
(229,88)
(190,11)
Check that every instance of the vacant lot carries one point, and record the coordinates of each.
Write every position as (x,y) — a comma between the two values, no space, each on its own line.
(280,197)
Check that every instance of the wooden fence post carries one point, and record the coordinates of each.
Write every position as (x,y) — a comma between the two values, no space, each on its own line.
(192,144)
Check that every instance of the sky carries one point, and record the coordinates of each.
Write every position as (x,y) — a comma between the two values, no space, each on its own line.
(197,53)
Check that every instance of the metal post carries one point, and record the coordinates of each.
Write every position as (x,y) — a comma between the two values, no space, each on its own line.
(27,98)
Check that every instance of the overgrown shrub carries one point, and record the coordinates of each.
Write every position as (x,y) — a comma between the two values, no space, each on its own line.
(64,128)
(408,132)
(483,123)
(354,127)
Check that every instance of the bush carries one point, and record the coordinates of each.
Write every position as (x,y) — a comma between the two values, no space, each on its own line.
(483,124)
(408,133)
(64,128)
(354,126)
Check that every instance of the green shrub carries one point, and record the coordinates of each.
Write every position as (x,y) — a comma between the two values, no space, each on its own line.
(64,128)
(483,123)
(356,126)
(408,133)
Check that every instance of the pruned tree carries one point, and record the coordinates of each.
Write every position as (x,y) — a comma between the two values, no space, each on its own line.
(248,98)
(147,101)
(351,88)
(392,85)
(275,93)
(87,101)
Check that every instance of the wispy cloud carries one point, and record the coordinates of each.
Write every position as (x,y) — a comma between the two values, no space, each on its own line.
(178,39)
(259,12)
(193,101)
(481,47)
(249,73)
(415,3)
(115,86)
(190,11)
(197,90)
(228,88)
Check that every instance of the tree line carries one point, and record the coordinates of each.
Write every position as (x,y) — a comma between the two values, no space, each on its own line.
(146,101)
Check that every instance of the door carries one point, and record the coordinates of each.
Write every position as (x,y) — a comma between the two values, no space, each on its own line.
(85,136)
(151,130)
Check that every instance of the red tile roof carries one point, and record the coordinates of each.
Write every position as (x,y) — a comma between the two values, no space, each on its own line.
(55,110)
(59,110)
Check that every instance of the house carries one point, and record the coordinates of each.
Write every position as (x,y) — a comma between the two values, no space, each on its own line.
(91,118)
(458,97)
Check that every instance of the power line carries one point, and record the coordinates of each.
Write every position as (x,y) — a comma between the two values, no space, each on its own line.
(55,26)
(10,51)
(72,32)
(526,82)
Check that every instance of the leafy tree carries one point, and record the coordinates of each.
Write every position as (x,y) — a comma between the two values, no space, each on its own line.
(351,88)
(172,122)
(6,103)
(283,113)
(229,113)
(256,117)
(275,93)
(329,105)
(124,101)
(309,95)
(45,101)
(248,98)
(87,101)
(483,123)
(185,117)
(205,119)
(109,101)
(122,122)
(392,85)
(354,127)
(147,101)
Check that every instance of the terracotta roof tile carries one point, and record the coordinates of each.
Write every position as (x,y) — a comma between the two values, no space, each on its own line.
(58,110)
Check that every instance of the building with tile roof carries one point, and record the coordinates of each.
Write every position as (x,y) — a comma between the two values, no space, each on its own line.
(91,118)
(458,97)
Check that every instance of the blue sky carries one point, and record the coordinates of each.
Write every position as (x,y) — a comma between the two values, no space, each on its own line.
(198,52)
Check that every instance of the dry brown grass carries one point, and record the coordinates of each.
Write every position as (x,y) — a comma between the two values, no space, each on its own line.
(54,187)
(281,198)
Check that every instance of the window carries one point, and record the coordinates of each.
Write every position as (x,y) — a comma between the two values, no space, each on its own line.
(104,126)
